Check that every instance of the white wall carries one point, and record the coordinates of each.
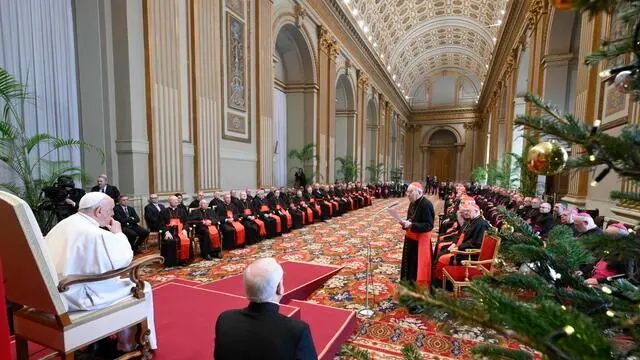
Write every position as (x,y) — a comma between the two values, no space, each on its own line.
(37,48)
(341,135)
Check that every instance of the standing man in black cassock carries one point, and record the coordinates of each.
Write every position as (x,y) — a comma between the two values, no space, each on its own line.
(416,253)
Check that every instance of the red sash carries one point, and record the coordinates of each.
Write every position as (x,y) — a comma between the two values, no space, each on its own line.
(289,219)
(185,243)
(424,256)
(238,228)
(263,230)
(445,260)
(309,216)
(273,216)
(214,237)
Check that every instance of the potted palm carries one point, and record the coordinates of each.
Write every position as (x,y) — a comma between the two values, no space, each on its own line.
(30,158)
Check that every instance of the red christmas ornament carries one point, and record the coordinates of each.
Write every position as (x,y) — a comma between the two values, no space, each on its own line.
(563,4)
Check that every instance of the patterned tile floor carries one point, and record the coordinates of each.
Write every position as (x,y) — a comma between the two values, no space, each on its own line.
(343,241)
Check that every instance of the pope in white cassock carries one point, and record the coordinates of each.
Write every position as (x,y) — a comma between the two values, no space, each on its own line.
(78,246)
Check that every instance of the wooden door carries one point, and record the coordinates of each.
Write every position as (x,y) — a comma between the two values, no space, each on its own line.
(442,164)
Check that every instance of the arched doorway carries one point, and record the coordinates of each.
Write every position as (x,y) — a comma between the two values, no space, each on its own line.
(345,118)
(293,101)
(371,141)
(442,155)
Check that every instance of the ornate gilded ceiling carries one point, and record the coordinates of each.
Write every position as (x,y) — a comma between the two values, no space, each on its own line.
(419,39)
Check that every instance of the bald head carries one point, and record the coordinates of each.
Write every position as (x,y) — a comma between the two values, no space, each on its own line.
(173,201)
(203,204)
(414,191)
(263,281)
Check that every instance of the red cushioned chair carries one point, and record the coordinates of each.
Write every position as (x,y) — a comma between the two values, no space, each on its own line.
(461,275)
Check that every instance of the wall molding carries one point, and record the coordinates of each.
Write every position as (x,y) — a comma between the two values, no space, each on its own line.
(514,25)
(231,154)
(344,30)
(133,146)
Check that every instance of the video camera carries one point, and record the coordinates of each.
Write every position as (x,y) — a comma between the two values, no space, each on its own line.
(58,192)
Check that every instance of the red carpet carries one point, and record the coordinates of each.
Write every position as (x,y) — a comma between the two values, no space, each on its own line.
(35,351)
(330,327)
(185,319)
(301,279)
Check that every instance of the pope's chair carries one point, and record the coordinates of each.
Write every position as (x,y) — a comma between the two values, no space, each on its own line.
(31,282)
(461,275)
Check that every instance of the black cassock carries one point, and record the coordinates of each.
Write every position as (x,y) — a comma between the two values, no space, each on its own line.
(421,215)
(296,214)
(473,236)
(262,210)
(169,247)
(318,213)
(278,207)
(195,219)
(251,228)
(228,232)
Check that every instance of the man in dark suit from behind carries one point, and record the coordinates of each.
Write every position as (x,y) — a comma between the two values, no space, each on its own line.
(152,213)
(102,186)
(130,220)
(272,335)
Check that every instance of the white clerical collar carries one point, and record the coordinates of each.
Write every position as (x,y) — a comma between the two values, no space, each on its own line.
(91,220)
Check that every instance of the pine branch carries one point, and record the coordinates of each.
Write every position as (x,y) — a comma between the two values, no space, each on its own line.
(348,352)
(621,153)
(623,249)
(411,352)
(620,195)
(499,352)
(609,52)
(593,7)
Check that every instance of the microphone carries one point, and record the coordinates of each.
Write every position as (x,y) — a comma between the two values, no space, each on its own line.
(390,206)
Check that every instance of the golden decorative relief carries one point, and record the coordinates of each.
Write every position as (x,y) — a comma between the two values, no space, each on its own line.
(237,6)
(300,14)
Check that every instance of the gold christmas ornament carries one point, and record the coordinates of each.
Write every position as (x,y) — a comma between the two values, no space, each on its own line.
(547,158)
(506,229)
(563,4)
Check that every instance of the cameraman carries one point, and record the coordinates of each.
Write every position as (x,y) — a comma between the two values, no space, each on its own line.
(65,197)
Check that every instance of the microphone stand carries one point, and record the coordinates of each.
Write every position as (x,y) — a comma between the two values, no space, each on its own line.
(367,311)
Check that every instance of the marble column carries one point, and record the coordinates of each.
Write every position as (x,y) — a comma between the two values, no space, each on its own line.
(459,175)
(264,93)
(586,87)
(363,83)
(380,135)
(424,168)
(387,138)
(512,83)
(94,53)
(110,33)
(328,51)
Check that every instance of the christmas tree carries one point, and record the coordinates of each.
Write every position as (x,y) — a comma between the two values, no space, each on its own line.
(550,309)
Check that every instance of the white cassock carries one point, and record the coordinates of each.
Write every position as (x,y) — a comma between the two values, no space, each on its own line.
(78,246)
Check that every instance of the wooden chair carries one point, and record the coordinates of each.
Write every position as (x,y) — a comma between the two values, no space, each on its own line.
(32,283)
(461,275)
